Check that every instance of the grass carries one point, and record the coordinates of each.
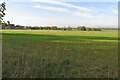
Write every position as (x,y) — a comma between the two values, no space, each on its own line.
(61,54)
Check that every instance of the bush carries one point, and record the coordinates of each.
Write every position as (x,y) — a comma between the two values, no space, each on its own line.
(82,28)
(54,27)
(89,29)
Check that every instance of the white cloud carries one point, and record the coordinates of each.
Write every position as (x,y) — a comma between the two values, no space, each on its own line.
(81,14)
(51,8)
(64,4)
(81,11)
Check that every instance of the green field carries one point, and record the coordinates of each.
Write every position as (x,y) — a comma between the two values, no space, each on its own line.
(61,54)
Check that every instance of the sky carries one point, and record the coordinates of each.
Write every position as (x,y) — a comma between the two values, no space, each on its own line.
(62,13)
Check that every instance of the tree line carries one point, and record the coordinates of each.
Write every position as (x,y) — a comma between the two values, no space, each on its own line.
(8,25)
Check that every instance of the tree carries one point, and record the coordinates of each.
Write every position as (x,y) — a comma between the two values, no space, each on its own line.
(54,27)
(83,28)
(2,9)
(64,28)
(69,28)
(89,29)
(41,28)
(4,25)
(19,27)
(98,29)
(78,28)
(8,23)
(35,28)
(28,27)
(12,26)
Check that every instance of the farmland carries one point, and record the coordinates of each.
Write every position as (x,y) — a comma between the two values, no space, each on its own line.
(61,54)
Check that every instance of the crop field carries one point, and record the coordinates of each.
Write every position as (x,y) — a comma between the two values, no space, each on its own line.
(59,54)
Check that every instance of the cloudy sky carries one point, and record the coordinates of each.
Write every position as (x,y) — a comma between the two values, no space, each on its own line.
(62,13)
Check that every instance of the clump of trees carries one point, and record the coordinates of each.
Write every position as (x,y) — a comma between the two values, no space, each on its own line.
(96,29)
(89,29)
(54,28)
(83,28)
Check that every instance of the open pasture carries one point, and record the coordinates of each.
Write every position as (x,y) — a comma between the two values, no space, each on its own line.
(61,54)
